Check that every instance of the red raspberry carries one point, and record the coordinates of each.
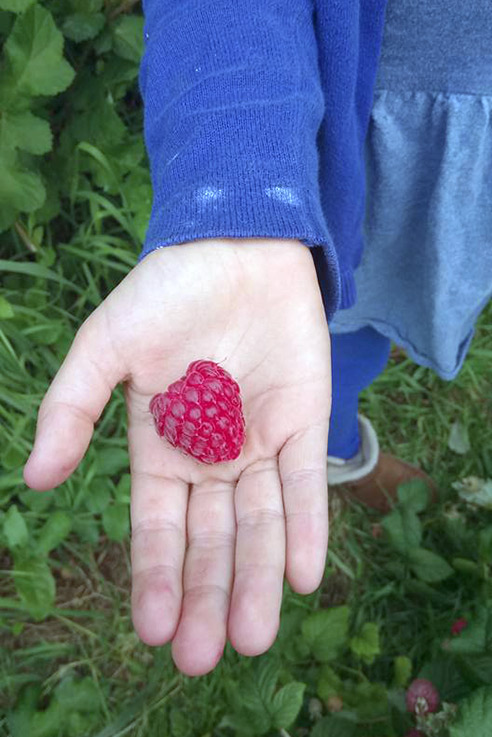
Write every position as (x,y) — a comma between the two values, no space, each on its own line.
(422,697)
(201,413)
(458,626)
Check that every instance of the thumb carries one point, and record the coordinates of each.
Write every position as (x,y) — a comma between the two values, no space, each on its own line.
(73,403)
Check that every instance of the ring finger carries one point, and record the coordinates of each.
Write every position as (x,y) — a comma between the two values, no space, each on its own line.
(208,572)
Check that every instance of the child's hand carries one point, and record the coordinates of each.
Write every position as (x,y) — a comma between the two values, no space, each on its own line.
(210,543)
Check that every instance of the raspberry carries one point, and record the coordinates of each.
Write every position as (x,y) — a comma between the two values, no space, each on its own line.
(201,413)
(458,626)
(414,733)
(422,697)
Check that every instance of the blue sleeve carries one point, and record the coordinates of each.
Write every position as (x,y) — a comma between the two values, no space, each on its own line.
(232,109)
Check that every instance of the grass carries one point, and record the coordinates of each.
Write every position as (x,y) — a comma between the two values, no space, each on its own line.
(89,631)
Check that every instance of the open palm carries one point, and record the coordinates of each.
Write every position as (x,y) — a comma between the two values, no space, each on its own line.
(210,543)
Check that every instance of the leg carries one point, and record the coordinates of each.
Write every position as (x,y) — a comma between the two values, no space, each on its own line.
(355,463)
(357,359)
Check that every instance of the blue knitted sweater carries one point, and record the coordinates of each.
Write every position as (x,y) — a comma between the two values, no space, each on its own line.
(255,118)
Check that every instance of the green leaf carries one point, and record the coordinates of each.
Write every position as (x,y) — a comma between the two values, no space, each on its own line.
(474,715)
(86,6)
(414,495)
(15,528)
(55,529)
(25,131)
(366,643)
(15,6)
(403,529)
(34,50)
(459,441)
(6,309)
(98,497)
(429,566)
(19,189)
(334,726)
(128,37)
(402,668)
(267,677)
(287,704)
(116,522)
(329,683)
(447,678)
(479,667)
(110,461)
(35,585)
(87,529)
(123,489)
(251,715)
(78,694)
(370,700)
(83,26)
(325,632)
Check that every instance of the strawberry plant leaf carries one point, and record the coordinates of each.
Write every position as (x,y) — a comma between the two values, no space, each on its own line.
(77,694)
(325,632)
(128,37)
(116,522)
(35,585)
(34,51)
(286,704)
(26,131)
(82,26)
(474,715)
(19,189)
(414,495)
(334,726)
(87,529)
(268,673)
(447,678)
(403,529)
(15,528)
(479,667)
(369,700)
(56,528)
(402,668)
(329,683)
(366,643)
(429,566)
(110,461)
(15,6)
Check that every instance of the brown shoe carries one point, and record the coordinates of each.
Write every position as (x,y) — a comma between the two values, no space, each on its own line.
(378,489)
(372,477)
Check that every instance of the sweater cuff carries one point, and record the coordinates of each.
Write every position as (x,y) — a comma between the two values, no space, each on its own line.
(232,108)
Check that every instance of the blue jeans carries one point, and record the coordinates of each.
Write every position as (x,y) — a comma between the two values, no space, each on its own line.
(356,358)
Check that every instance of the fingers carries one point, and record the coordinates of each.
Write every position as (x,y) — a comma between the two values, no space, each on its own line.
(71,406)
(260,559)
(302,464)
(158,512)
(207,581)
